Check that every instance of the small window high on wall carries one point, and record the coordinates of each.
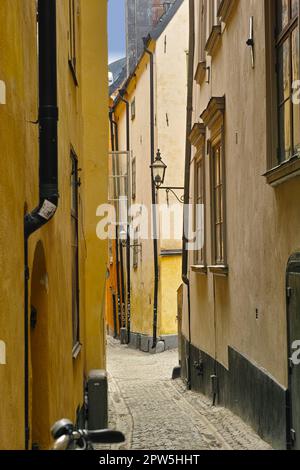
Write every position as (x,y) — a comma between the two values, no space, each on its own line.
(202,29)
(212,19)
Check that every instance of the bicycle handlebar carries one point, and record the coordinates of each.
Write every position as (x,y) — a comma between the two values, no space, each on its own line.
(64,433)
(104,436)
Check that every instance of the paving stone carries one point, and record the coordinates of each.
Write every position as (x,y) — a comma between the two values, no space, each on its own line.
(156,413)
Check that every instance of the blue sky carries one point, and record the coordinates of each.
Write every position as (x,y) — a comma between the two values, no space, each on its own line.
(116,30)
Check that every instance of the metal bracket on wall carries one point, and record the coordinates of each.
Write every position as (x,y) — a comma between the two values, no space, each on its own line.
(289,293)
(250,41)
(208,70)
(293,436)
(214,384)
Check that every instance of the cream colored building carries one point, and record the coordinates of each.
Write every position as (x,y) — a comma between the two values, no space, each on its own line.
(168,44)
(244,286)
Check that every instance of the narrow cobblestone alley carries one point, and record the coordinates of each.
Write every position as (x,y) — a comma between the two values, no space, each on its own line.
(157,413)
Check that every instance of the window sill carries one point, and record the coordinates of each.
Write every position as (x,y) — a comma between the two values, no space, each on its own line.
(73,73)
(76,350)
(199,269)
(219,269)
(225,9)
(283,172)
(200,73)
(214,40)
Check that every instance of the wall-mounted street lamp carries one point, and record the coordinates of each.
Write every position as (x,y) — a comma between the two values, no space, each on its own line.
(158,170)
(123,235)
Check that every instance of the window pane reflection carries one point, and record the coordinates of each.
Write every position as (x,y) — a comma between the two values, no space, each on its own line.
(282,14)
(295,8)
(284,71)
(285,131)
(296,76)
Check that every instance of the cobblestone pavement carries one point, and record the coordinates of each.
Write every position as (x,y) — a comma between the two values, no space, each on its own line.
(156,413)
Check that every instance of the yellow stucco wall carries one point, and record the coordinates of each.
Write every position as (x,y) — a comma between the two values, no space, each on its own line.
(17,140)
(56,379)
(95,150)
(170,271)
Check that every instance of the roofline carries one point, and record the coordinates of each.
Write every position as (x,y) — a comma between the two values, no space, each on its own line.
(151,38)
(165,20)
(147,43)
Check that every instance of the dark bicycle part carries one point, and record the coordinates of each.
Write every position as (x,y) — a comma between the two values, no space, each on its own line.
(68,437)
(104,436)
(61,428)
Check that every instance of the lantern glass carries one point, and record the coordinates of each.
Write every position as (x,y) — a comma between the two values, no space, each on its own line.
(158,170)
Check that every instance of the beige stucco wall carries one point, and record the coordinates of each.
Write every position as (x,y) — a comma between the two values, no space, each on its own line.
(171,94)
(170,77)
(263,225)
(142,279)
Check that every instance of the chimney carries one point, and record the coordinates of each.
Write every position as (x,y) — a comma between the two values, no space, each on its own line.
(141,17)
(160,8)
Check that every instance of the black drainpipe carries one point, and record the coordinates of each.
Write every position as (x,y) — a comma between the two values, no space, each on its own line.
(118,279)
(188,152)
(112,132)
(119,252)
(112,139)
(48,157)
(153,196)
(123,322)
(121,94)
(115,147)
(120,282)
